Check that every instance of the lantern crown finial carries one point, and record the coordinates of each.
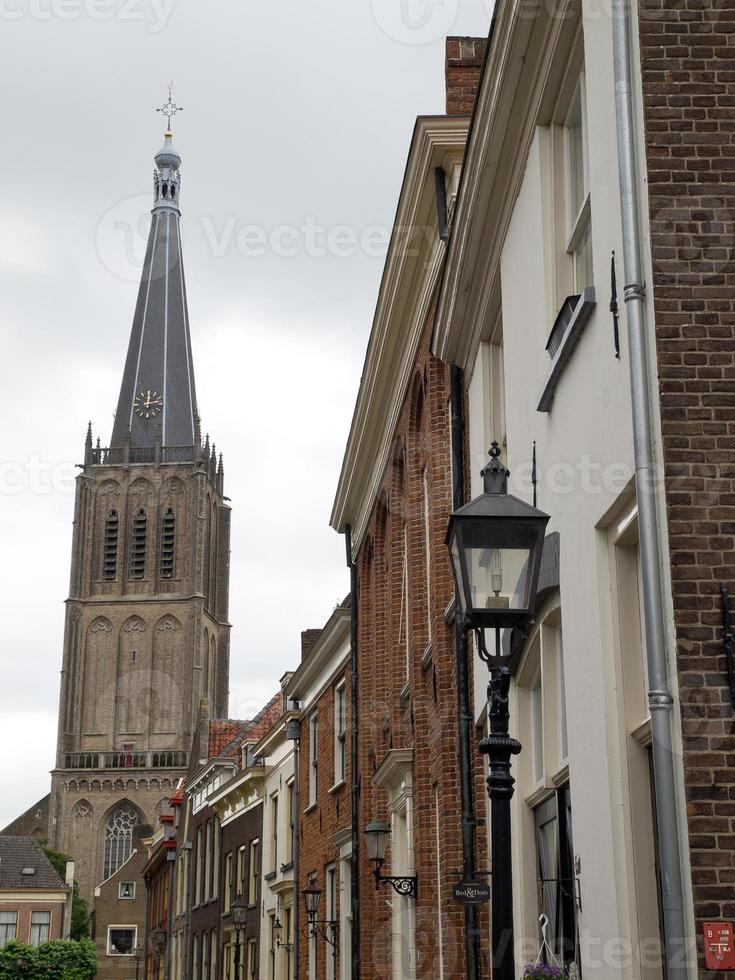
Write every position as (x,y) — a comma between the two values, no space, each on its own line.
(495,475)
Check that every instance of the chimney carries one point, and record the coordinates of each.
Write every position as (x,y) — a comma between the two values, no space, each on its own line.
(69,879)
(308,639)
(464,60)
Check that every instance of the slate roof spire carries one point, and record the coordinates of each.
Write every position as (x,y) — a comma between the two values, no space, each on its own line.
(157,400)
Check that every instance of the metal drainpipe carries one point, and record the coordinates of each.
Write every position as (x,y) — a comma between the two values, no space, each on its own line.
(660,699)
(355,786)
(471,932)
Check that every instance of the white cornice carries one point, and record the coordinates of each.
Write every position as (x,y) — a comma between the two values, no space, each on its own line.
(274,737)
(20,896)
(406,291)
(513,99)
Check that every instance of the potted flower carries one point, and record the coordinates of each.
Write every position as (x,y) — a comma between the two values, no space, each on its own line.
(543,971)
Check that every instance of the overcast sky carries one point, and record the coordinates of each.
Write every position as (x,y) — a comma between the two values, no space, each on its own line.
(296,124)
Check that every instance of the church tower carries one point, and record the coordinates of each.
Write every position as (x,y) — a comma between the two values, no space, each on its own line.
(146,635)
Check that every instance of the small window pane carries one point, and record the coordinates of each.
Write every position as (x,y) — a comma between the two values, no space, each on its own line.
(8,927)
(40,928)
(121,941)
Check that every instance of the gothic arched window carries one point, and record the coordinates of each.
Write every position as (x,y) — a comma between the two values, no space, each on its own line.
(119,838)
(110,556)
(138,552)
(168,543)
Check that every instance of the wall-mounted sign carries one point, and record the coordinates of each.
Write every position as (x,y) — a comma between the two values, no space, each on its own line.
(471,893)
(719,947)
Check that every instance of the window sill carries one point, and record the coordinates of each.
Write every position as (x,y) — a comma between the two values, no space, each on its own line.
(426,657)
(337,787)
(270,876)
(563,352)
(311,807)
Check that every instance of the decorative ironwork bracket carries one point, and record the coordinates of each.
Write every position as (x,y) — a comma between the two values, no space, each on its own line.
(728,640)
(327,929)
(407,886)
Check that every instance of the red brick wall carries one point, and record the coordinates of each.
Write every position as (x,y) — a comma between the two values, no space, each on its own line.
(688,65)
(420,713)
(24,910)
(332,813)
(464,59)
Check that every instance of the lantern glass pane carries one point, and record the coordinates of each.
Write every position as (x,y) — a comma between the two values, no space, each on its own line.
(498,577)
(376,840)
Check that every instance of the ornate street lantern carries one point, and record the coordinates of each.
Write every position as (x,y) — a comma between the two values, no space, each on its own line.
(495,543)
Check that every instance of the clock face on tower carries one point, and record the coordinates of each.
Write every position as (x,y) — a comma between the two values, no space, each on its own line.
(148,404)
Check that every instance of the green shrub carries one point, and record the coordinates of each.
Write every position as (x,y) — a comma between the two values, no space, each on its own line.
(57,960)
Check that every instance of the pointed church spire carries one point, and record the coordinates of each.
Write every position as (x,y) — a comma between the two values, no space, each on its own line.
(158,389)
(88,445)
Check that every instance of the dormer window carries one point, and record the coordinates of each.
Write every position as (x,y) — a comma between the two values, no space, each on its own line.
(168,544)
(110,554)
(138,553)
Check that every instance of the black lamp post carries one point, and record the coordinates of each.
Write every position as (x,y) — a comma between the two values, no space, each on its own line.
(328,929)
(239,912)
(138,956)
(376,842)
(495,543)
(277,930)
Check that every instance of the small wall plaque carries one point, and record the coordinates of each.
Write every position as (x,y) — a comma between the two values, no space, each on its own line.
(719,949)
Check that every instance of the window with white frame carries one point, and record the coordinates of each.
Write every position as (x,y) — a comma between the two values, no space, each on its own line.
(215,858)
(8,927)
(579,209)
(287,947)
(635,721)
(252,959)
(271,946)
(331,912)
(240,871)
(345,916)
(214,940)
(289,821)
(126,889)
(544,778)
(205,956)
(426,518)
(121,940)
(208,863)
(313,757)
(253,871)
(340,733)
(274,832)
(404,618)
(199,870)
(228,882)
(40,928)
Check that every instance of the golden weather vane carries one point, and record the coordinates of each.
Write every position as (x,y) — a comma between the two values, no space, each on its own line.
(170,108)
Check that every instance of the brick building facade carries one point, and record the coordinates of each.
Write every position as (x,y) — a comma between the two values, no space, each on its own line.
(688,81)
(395,494)
(321,688)
(35,903)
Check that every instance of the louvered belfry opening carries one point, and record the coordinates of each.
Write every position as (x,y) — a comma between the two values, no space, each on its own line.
(168,544)
(137,564)
(110,555)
